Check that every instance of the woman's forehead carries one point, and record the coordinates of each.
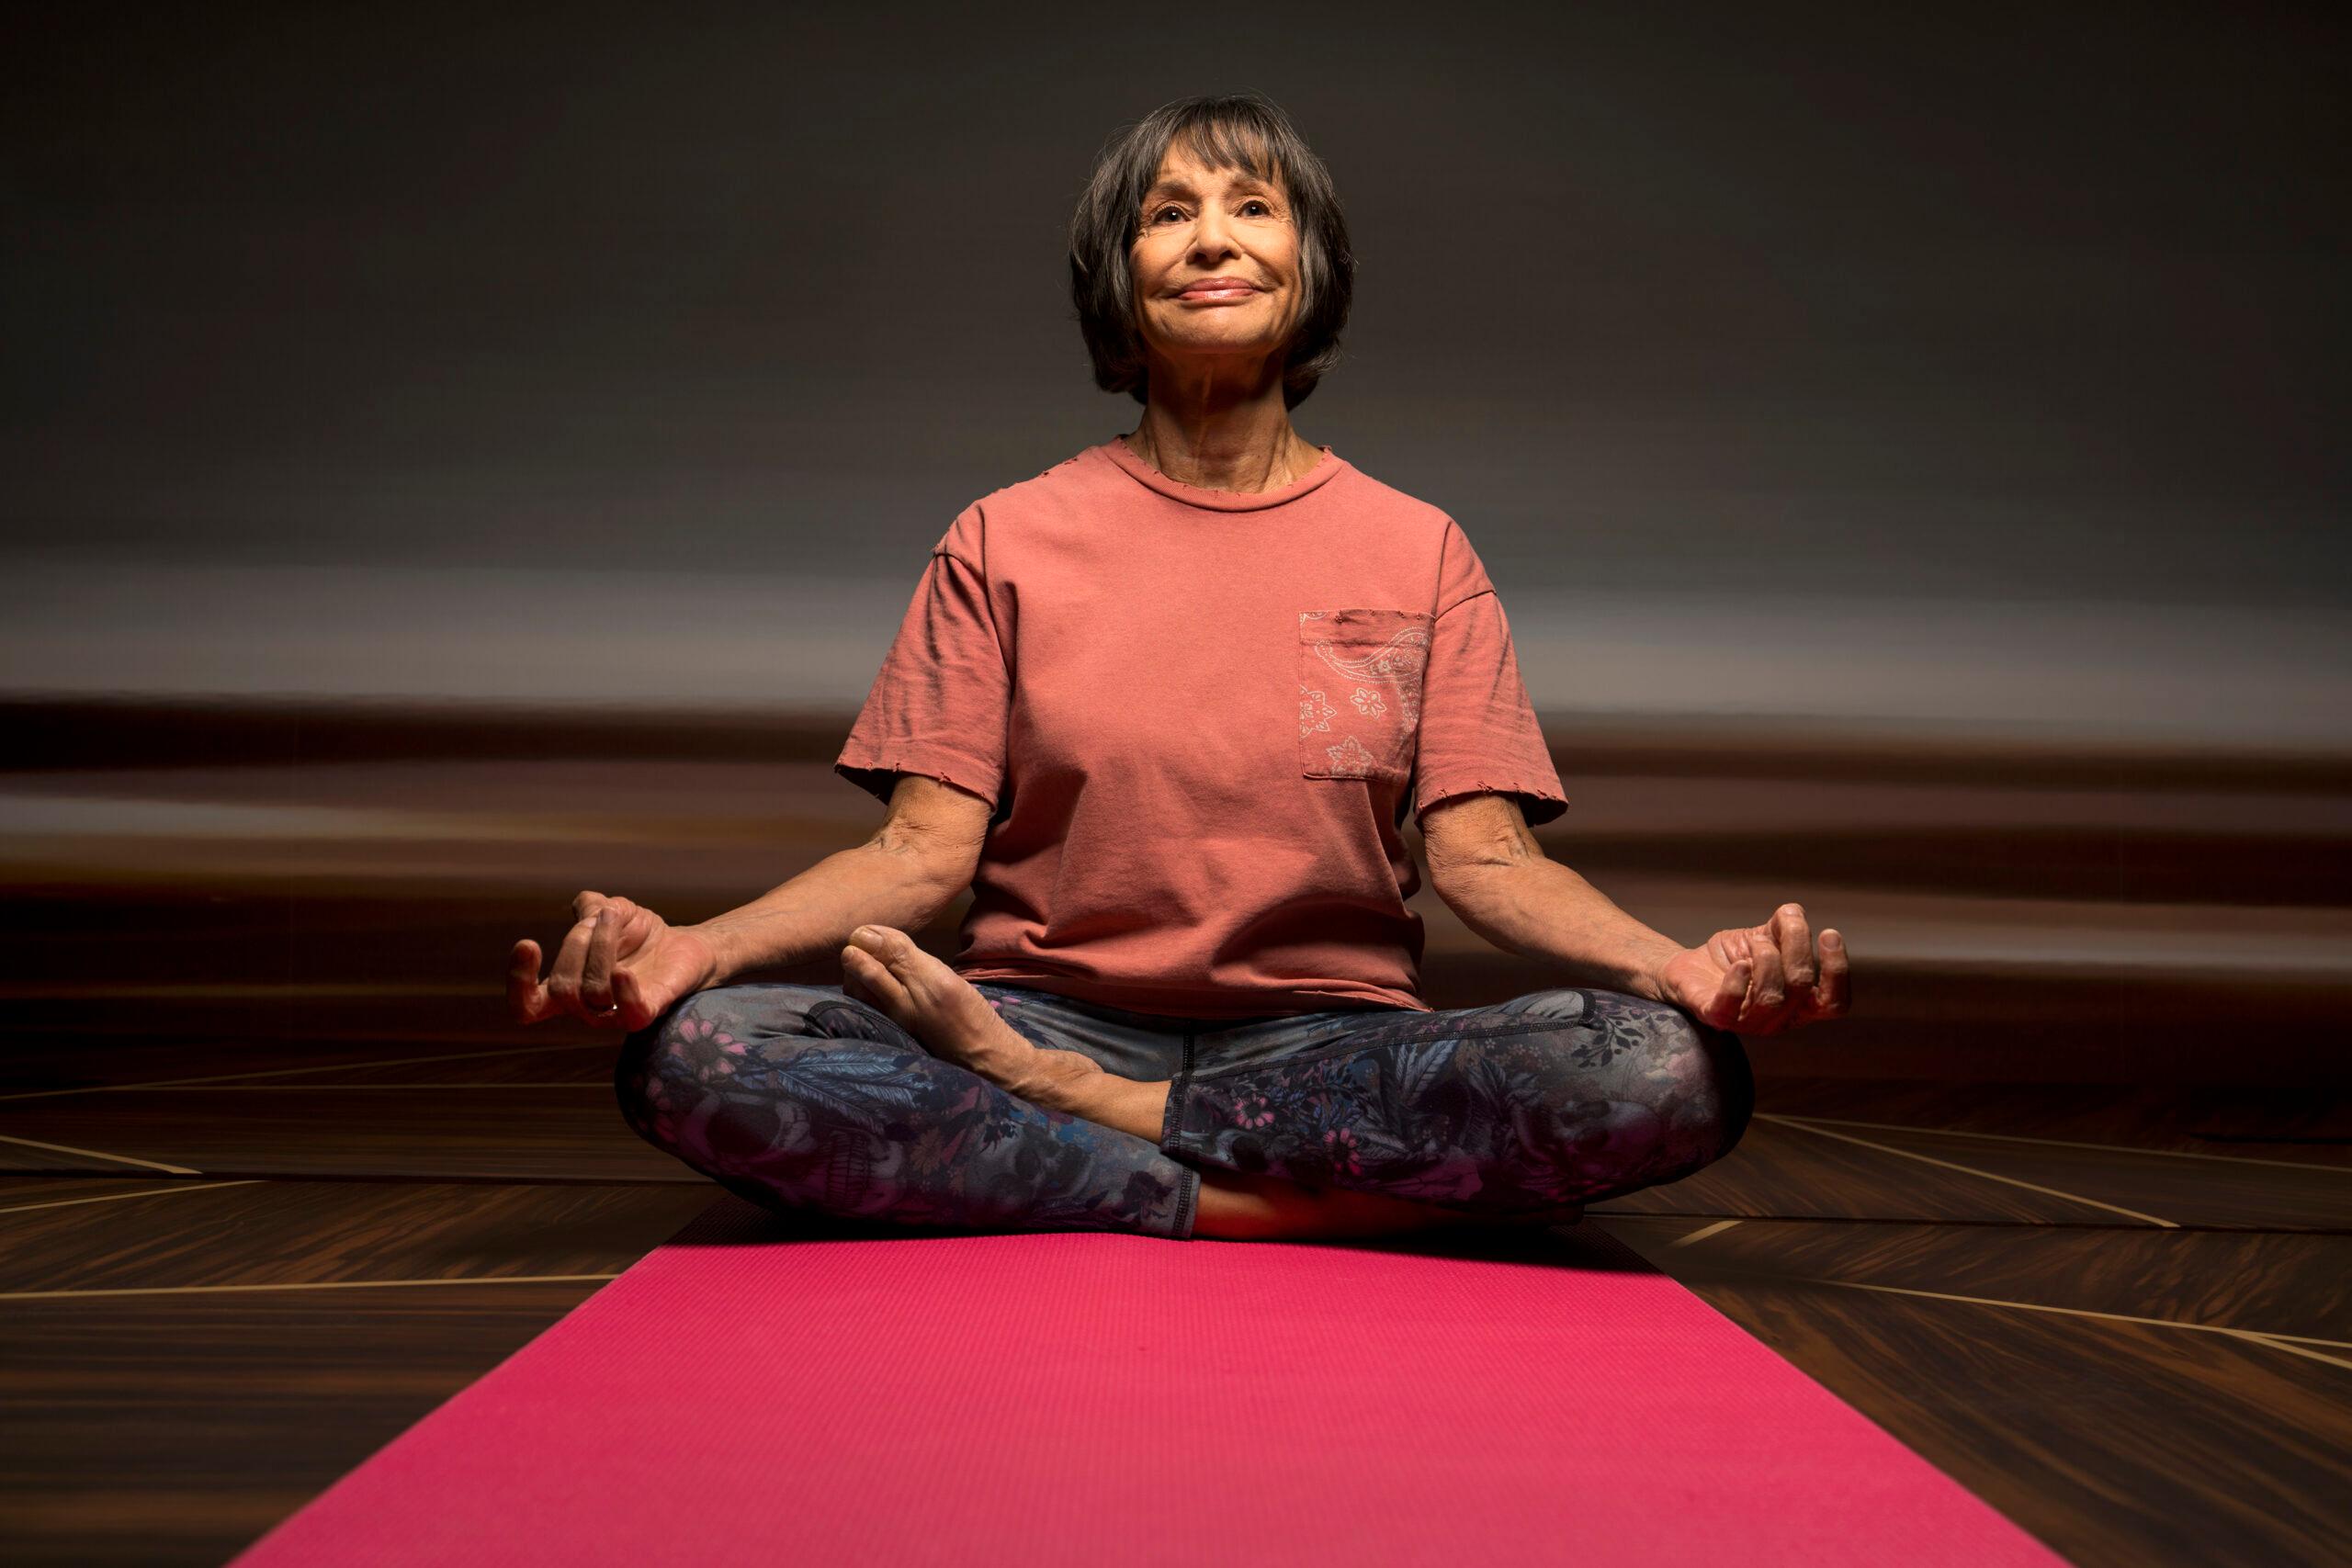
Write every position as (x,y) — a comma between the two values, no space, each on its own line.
(1184,171)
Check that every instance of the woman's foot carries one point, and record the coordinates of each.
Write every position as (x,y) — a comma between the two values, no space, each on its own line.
(883,967)
(1235,1206)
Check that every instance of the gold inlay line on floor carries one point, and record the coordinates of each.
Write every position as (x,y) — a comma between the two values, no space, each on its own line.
(2281,1340)
(100,1154)
(1968,1170)
(119,1197)
(2066,1143)
(326,1068)
(2276,1343)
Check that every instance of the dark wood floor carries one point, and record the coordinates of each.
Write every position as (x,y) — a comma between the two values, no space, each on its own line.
(2066,1207)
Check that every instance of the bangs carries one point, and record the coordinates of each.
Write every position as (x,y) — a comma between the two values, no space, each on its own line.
(1224,141)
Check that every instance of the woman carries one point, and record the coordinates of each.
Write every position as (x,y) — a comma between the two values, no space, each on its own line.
(1187,999)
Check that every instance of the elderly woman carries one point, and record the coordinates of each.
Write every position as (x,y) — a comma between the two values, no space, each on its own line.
(1164,708)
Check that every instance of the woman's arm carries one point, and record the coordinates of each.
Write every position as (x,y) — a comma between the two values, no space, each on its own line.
(922,857)
(1486,866)
(621,965)
(1485,863)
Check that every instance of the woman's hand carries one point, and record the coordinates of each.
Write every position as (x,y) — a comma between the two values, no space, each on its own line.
(621,964)
(1761,979)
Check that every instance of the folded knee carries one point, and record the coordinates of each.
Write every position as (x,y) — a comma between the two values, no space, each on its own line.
(1687,1083)
(1734,1084)
(664,1063)
(720,1009)
(1702,1084)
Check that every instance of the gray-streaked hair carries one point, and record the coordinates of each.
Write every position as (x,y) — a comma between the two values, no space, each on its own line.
(1224,131)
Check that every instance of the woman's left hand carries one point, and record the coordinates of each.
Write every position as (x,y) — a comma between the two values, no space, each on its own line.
(1761,979)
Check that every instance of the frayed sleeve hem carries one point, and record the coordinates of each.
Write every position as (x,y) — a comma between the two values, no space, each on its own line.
(1538,802)
(876,773)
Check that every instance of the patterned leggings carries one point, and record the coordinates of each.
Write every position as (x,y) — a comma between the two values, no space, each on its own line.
(801,1098)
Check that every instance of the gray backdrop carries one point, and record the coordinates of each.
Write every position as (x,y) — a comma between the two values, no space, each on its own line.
(1947,366)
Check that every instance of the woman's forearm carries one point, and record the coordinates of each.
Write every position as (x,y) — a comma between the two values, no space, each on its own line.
(1540,909)
(811,915)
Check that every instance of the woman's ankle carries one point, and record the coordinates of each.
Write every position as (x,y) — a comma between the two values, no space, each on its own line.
(1235,1207)
(1343,1211)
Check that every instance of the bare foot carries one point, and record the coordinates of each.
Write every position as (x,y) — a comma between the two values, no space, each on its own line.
(884,967)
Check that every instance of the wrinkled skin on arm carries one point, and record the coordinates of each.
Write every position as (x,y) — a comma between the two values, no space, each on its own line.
(1485,863)
(622,965)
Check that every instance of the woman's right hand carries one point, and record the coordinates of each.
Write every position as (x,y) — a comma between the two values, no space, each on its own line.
(621,964)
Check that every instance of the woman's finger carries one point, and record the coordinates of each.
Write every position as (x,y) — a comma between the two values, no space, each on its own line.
(1832,995)
(1770,996)
(1723,1008)
(525,998)
(1796,938)
(637,924)
(563,980)
(870,980)
(596,969)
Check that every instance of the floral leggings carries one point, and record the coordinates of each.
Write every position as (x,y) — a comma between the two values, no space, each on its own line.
(801,1098)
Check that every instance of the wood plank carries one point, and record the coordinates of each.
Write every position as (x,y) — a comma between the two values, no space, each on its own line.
(2190,1192)
(296,1232)
(2292,1121)
(2267,1283)
(1779,1171)
(512,1135)
(2074,1428)
(164,1430)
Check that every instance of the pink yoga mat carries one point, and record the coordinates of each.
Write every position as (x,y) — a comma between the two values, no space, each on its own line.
(755,1391)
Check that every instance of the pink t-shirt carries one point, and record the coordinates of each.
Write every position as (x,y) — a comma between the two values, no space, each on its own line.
(1202,717)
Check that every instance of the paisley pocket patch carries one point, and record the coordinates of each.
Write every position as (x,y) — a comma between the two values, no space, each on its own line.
(1360,691)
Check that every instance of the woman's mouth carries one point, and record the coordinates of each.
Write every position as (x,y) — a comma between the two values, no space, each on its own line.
(1224,286)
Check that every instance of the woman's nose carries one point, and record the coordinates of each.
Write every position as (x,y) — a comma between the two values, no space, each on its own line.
(1209,237)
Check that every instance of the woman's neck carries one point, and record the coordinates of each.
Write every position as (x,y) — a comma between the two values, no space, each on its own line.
(1249,449)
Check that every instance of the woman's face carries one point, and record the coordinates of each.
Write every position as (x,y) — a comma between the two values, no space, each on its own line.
(1197,225)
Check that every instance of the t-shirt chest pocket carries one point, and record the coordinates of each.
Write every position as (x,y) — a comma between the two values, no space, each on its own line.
(1360,691)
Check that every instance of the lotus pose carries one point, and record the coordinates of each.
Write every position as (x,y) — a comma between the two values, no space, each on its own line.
(1164,709)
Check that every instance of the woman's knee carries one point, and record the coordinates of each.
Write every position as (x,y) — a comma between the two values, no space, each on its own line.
(1699,1082)
(698,1044)
(1653,1065)
(1734,1079)
(731,1081)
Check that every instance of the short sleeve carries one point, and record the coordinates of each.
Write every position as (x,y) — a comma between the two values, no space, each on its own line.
(938,706)
(1478,729)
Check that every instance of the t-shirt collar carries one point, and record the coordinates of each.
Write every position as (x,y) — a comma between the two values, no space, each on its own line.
(1119,452)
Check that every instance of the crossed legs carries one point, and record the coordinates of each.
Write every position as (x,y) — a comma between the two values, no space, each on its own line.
(906,1093)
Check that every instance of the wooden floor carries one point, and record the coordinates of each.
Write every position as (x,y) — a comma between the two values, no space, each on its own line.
(2066,1206)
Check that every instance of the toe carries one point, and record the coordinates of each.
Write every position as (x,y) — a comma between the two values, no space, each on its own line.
(918,970)
(876,984)
(877,939)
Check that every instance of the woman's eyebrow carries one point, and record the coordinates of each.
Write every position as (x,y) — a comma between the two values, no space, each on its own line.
(1181,187)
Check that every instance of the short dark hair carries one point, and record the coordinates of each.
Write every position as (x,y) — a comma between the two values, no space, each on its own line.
(1224,130)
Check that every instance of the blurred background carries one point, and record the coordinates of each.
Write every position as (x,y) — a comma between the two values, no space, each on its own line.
(459,456)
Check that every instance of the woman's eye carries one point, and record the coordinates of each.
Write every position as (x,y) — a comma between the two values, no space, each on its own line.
(1254,201)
